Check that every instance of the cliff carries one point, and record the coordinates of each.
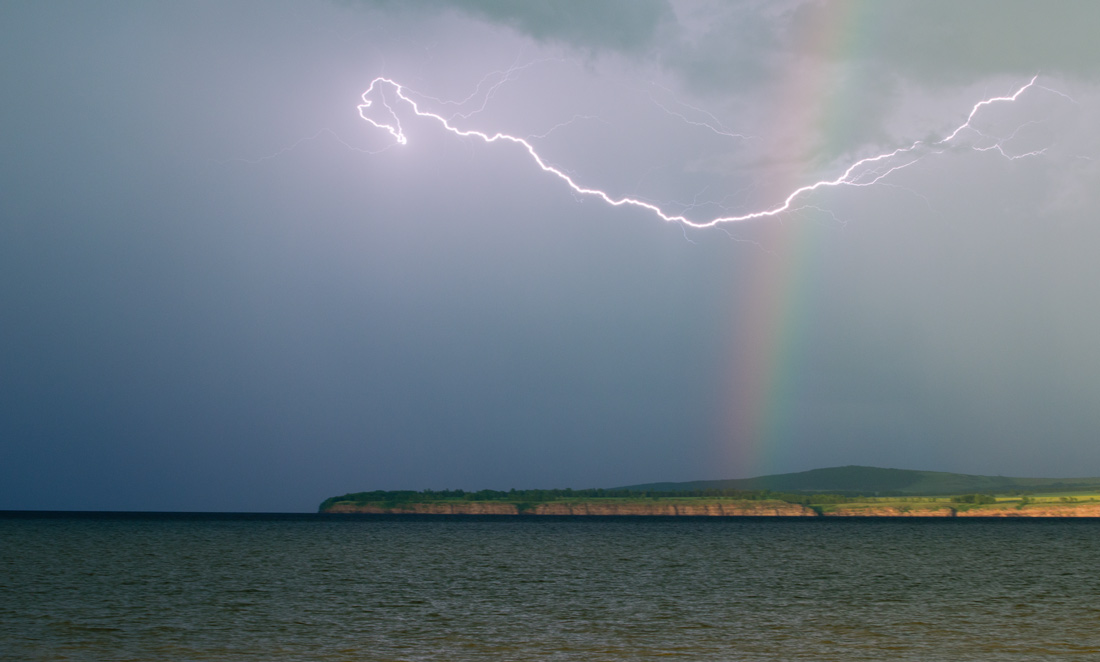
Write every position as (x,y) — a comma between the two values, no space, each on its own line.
(998,510)
(1035,510)
(596,508)
(713,509)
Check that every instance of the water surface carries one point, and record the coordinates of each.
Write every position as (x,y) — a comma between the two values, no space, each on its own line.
(310,587)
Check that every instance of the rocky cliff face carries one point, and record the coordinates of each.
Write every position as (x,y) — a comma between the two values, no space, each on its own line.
(730,509)
(439,508)
(733,508)
(1042,510)
(1039,510)
(712,509)
(850,511)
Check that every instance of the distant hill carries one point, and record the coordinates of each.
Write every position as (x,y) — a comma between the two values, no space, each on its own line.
(874,480)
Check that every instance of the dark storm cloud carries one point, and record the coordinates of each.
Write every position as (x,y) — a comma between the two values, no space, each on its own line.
(733,48)
(631,26)
(942,41)
(857,56)
(931,41)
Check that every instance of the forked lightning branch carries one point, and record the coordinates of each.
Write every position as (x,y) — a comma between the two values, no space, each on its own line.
(865,172)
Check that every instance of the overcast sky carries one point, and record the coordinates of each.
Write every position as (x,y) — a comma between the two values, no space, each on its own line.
(223,289)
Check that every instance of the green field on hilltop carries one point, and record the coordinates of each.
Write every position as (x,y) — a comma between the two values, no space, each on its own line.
(857,480)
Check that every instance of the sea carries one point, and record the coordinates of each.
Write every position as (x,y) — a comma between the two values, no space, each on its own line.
(150,587)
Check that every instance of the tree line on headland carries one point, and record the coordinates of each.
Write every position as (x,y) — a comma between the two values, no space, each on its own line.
(401,497)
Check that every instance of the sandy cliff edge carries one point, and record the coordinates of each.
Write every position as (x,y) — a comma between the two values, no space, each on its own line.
(712,509)
(588,508)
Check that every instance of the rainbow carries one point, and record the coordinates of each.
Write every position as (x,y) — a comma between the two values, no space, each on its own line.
(770,324)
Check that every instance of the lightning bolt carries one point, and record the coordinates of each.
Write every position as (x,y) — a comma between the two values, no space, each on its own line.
(501,78)
(867,171)
(562,125)
(981,104)
(715,128)
(301,141)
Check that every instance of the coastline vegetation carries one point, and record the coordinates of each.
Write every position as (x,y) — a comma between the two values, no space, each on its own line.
(823,503)
(529,498)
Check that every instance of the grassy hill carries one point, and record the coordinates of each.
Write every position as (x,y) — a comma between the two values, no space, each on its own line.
(851,491)
(874,480)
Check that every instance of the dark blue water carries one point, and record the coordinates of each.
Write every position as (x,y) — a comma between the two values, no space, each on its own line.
(363,588)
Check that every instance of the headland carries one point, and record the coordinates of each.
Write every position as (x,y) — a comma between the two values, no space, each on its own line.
(837,492)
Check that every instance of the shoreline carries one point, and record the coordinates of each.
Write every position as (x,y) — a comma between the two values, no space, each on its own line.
(731,508)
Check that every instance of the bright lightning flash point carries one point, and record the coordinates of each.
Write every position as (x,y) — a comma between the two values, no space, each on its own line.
(864,172)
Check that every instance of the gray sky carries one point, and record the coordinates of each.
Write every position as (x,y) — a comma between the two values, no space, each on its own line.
(222,289)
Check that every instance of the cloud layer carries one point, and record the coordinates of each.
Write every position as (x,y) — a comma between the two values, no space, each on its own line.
(226,291)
